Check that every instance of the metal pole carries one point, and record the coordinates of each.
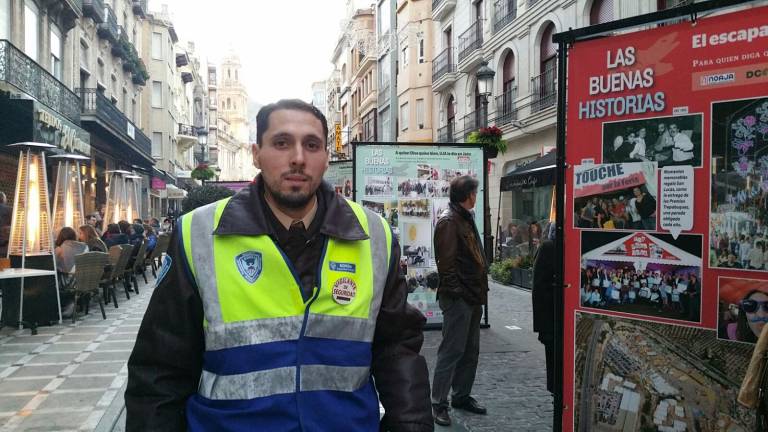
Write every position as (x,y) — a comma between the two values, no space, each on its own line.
(487,238)
(558,285)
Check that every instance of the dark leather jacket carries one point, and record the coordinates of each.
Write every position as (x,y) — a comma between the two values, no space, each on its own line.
(165,366)
(460,261)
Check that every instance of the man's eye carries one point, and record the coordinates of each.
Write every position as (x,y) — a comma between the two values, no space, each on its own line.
(313,145)
(280,143)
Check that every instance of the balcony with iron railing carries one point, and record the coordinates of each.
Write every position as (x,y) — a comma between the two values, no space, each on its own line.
(504,12)
(444,63)
(532,3)
(94,9)
(108,29)
(96,107)
(20,71)
(506,107)
(441,8)
(471,122)
(186,137)
(544,90)
(471,40)
(72,9)
(140,7)
(447,133)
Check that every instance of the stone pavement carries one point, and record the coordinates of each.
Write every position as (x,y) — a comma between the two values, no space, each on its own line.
(72,377)
(511,376)
(67,377)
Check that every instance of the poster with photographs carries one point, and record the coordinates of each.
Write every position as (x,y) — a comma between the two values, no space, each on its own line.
(339,176)
(638,375)
(742,308)
(396,182)
(615,196)
(652,275)
(664,140)
(739,213)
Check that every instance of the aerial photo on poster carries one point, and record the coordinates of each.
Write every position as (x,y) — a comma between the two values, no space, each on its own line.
(664,140)
(739,213)
(652,275)
(615,196)
(642,376)
(742,308)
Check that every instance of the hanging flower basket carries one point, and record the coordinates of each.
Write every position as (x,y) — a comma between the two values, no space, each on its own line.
(490,138)
(202,172)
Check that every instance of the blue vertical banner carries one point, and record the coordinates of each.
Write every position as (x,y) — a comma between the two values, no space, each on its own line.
(409,186)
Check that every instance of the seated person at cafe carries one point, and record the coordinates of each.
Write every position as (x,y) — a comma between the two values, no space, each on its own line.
(114,236)
(67,247)
(90,237)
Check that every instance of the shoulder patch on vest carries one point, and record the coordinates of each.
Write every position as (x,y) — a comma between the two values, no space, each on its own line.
(249,265)
(163,270)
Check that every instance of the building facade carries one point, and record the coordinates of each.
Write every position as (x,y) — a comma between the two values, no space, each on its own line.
(515,38)
(234,159)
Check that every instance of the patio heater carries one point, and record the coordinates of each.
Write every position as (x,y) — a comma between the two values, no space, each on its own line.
(31,233)
(68,193)
(116,197)
(132,200)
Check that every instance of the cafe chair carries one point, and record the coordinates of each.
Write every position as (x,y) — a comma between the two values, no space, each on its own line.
(89,269)
(163,241)
(134,266)
(118,258)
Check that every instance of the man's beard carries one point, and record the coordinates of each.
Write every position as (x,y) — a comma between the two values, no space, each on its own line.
(291,200)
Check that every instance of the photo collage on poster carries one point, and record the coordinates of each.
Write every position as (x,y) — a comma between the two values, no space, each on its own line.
(339,176)
(738,219)
(411,197)
(632,262)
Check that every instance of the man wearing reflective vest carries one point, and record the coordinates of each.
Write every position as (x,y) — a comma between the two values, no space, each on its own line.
(280,308)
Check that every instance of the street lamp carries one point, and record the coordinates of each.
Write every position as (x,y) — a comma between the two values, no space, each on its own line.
(485,89)
(202,138)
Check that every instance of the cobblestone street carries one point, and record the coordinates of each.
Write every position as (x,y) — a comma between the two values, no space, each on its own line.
(511,379)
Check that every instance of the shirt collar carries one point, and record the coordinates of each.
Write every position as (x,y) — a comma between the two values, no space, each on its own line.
(286,220)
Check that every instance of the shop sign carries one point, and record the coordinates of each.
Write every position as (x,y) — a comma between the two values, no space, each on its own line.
(157,183)
(54,130)
(175,193)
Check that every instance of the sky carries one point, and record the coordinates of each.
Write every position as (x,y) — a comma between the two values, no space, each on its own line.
(284,45)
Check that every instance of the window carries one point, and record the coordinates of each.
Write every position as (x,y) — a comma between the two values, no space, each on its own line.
(157,144)
(601,12)
(236,78)
(404,117)
(56,52)
(31,29)
(125,102)
(229,103)
(133,111)
(157,94)
(420,113)
(421,50)
(157,46)
(508,74)
(404,57)
(5,19)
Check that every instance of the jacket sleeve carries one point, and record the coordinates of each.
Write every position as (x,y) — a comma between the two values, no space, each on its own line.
(165,365)
(446,248)
(399,371)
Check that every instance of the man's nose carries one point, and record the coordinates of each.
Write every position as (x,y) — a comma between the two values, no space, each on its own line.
(298,155)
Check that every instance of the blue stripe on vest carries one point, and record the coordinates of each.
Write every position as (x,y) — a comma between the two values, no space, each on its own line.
(340,411)
(250,358)
(335,352)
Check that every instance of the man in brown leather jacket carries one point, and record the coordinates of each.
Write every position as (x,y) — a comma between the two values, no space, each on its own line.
(462,291)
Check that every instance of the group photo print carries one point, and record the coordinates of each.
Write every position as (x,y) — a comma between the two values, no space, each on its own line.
(653,275)
(616,196)
(664,140)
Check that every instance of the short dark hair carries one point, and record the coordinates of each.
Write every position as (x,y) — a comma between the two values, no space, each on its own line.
(462,187)
(262,118)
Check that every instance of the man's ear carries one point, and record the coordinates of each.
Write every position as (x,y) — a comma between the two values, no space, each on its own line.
(255,152)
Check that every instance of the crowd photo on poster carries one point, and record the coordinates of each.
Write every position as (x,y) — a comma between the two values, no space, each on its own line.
(653,275)
(739,209)
(616,196)
(664,140)
(378,186)
(742,308)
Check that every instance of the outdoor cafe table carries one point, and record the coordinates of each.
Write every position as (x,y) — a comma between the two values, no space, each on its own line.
(21,273)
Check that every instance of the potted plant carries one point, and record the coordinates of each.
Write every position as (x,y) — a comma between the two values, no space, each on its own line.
(202,172)
(490,138)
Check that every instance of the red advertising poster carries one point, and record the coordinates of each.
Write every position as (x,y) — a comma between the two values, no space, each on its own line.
(666,224)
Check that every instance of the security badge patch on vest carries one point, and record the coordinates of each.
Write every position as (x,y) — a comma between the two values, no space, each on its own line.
(249,265)
(344,291)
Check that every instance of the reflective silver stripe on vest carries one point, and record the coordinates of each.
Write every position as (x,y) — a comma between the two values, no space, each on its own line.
(358,329)
(205,266)
(248,385)
(253,332)
(333,378)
